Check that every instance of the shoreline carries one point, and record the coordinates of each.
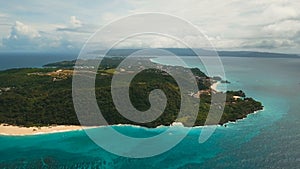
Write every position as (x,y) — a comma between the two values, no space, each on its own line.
(214,86)
(10,130)
(244,118)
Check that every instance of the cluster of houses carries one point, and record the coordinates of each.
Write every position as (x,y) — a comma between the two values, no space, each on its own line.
(4,89)
(83,67)
(201,92)
(60,74)
(57,75)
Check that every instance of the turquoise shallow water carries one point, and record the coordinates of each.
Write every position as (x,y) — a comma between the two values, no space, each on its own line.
(267,139)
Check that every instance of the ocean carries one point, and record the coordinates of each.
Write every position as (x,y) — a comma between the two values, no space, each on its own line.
(26,60)
(266,139)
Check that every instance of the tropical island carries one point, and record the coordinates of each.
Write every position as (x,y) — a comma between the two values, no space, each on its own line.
(39,97)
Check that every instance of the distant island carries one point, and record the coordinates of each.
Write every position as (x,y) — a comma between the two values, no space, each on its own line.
(202,52)
(43,96)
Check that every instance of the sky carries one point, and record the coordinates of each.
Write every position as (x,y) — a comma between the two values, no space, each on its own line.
(64,26)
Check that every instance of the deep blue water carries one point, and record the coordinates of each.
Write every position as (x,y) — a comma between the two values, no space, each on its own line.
(267,139)
(25,60)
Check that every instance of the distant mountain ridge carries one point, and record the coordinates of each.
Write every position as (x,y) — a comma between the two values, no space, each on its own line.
(190,52)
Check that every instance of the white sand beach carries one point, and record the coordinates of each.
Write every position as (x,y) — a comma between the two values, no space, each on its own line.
(21,131)
(214,86)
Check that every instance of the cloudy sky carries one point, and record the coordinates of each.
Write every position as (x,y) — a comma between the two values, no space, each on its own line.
(56,25)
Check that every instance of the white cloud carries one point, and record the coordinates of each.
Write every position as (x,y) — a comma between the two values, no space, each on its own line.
(229,24)
(73,26)
(268,43)
(109,17)
(149,41)
(2,15)
(237,23)
(75,22)
(76,26)
(284,29)
(25,37)
(22,35)
(4,24)
(20,30)
(277,12)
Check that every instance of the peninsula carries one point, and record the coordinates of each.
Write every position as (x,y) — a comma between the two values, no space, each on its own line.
(42,97)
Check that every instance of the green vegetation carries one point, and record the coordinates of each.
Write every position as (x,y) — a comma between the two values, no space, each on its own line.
(43,96)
